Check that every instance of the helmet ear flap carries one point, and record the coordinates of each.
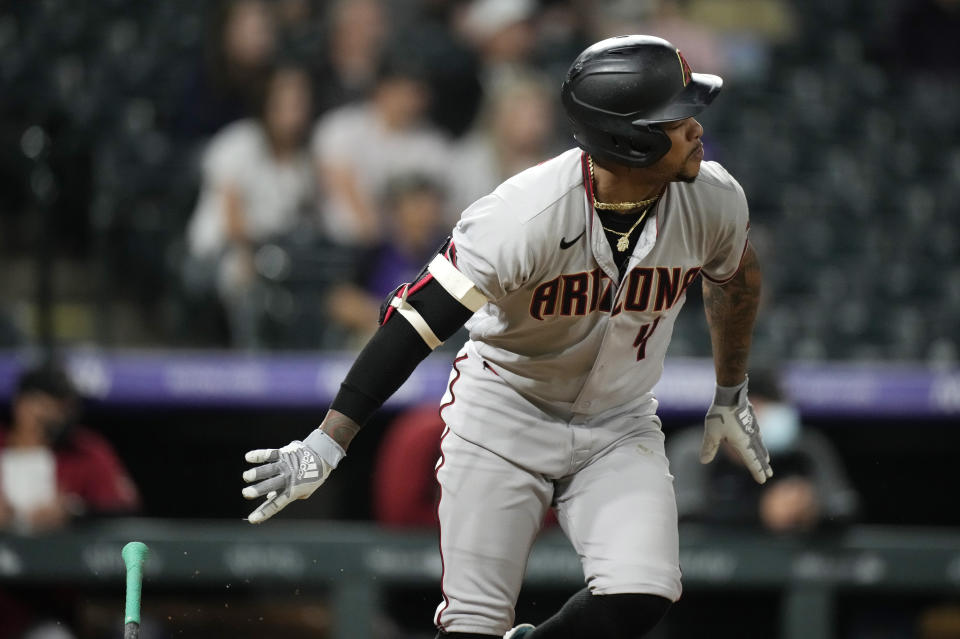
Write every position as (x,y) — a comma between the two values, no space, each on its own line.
(643,149)
(653,143)
(618,139)
(641,145)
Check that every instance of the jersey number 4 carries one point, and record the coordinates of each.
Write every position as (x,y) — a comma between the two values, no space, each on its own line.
(640,343)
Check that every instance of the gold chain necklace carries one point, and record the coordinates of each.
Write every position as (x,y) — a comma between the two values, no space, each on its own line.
(624,242)
(615,206)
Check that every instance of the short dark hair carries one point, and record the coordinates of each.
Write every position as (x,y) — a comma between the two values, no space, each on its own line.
(48,379)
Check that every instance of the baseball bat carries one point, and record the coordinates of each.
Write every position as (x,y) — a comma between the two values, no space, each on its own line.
(134,554)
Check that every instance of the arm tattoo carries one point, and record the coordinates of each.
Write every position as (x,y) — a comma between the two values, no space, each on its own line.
(731,309)
(340,428)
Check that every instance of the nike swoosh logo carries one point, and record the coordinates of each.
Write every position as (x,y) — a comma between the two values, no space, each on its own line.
(564,244)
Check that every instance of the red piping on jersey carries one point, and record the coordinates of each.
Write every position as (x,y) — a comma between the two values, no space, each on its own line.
(453,381)
(739,265)
(587,183)
(443,566)
(451,253)
(436,474)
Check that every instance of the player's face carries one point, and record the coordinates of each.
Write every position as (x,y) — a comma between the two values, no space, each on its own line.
(682,162)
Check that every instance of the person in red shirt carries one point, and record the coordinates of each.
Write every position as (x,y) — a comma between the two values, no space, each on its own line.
(51,468)
(405,488)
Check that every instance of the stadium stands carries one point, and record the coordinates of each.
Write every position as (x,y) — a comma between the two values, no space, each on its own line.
(849,156)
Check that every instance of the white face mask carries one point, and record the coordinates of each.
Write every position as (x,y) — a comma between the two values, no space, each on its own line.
(779,426)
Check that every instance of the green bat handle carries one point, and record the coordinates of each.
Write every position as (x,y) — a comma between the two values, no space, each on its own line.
(134,554)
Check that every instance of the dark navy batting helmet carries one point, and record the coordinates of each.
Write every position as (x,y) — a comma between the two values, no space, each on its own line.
(619,90)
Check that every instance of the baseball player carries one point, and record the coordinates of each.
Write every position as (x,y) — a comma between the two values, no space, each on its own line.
(569,277)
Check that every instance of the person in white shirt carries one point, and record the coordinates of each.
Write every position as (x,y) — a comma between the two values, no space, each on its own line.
(360,147)
(514,132)
(257,185)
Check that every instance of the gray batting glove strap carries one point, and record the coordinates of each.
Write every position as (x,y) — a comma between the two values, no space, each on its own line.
(329,450)
(288,473)
(731,418)
(730,395)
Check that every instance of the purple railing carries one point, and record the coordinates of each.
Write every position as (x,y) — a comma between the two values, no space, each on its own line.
(197,379)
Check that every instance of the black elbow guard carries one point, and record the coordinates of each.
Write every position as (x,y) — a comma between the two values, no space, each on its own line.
(396,349)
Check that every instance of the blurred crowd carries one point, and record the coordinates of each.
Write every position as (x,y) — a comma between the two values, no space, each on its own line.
(257,173)
(361,129)
(260,174)
(337,152)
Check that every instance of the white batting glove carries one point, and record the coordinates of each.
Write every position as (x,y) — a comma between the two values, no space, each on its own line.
(731,418)
(292,472)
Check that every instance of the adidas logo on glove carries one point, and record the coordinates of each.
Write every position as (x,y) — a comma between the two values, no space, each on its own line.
(747,420)
(308,466)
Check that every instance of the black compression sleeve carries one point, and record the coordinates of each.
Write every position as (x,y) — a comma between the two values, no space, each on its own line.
(395,350)
(444,314)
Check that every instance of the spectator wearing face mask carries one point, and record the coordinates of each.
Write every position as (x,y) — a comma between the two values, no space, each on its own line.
(810,489)
(52,469)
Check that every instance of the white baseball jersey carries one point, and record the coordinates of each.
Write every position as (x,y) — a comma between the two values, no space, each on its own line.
(550,403)
(561,329)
